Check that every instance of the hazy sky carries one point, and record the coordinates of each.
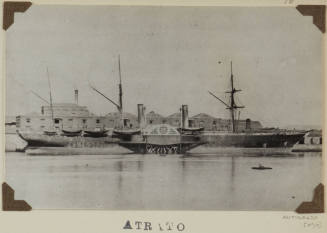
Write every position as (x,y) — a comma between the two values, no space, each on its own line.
(169,56)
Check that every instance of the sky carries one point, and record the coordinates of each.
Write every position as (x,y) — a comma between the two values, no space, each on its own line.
(169,56)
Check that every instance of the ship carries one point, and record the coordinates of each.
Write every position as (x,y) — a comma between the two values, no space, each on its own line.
(157,139)
(165,138)
(260,138)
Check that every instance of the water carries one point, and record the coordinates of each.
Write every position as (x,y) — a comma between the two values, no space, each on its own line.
(172,182)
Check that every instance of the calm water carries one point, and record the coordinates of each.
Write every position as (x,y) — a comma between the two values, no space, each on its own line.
(196,182)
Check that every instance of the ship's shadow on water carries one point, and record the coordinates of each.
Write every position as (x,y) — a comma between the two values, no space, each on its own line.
(243,153)
(212,155)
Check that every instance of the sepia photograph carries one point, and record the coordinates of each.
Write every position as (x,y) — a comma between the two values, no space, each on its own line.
(164,107)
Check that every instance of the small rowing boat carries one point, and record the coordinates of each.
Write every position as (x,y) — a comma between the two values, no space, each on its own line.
(261,167)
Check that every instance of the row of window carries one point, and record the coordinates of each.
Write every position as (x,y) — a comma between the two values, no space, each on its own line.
(57,121)
(84,121)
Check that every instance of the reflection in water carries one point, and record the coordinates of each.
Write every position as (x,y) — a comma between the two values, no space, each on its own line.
(183,168)
(139,165)
(120,178)
(232,174)
(189,182)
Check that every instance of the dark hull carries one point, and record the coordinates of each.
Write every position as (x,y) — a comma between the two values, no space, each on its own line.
(137,144)
(95,134)
(127,132)
(146,148)
(261,168)
(39,140)
(71,133)
(253,140)
(43,143)
(172,144)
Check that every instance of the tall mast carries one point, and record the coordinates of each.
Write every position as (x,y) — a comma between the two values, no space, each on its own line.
(233,106)
(232,102)
(120,87)
(119,105)
(120,96)
(51,106)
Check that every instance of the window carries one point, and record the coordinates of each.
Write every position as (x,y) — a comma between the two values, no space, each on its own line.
(84,121)
(42,119)
(98,121)
(28,120)
(56,121)
(151,121)
(70,119)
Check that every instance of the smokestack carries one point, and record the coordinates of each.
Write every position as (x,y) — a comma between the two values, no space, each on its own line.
(185,117)
(76,96)
(140,115)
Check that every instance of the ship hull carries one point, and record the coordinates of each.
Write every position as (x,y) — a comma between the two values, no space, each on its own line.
(146,148)
(168,144)
(253,140)
(137,143)
(35,140)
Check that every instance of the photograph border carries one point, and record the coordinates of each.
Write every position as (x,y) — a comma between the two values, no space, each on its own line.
(193,221)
